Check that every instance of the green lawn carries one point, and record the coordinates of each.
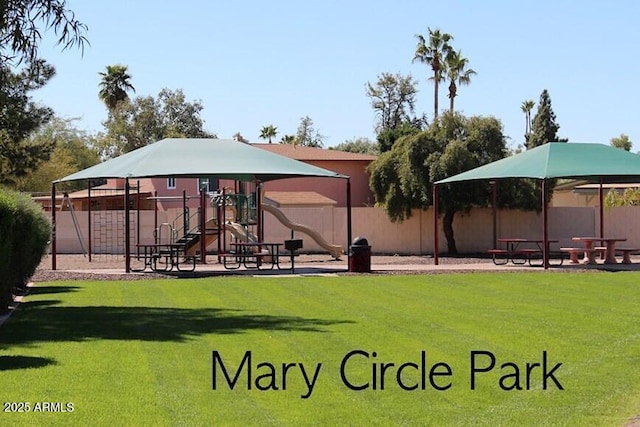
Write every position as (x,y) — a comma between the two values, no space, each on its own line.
(142,352)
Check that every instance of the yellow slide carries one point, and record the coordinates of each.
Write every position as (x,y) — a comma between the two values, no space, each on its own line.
(335,250)
(240,232)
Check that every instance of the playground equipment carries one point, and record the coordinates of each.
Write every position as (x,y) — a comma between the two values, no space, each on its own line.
(66,203)
(335,250)
(236,213)
(232,218)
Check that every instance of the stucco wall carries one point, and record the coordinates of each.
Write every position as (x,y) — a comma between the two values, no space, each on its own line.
(473,231)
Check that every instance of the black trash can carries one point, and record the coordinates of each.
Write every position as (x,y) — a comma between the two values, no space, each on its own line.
(360,256)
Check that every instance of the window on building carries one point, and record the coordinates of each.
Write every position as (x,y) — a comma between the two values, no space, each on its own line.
(209,183)
(171,183)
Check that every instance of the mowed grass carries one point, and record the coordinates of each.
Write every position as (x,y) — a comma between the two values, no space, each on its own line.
(140,352)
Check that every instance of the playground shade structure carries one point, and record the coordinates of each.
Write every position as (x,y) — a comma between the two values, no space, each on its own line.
(584,161)
(195,157)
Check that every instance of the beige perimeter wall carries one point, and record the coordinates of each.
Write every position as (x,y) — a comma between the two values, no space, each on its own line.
(473,231)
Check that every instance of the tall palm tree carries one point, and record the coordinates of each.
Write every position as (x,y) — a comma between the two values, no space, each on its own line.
(433,52)
(268,132)
(526,108)
(458,75)
(114,85)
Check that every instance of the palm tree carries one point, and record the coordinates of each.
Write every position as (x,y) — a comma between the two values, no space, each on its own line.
(114,85)
(434,53)
(526,108)
(268,132)
(456,64)
(288,139)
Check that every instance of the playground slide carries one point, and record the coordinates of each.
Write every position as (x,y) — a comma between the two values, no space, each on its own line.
(233,227)
(240,232)
(335,250)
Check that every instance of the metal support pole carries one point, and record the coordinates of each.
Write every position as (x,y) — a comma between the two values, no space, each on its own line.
(494,205)
(435,224)
(349,229)
(545,230)
(259,231)
(89,246)
(601,197)
(53,226)
(203,227)
(138,219)
(155,217)
(127,232)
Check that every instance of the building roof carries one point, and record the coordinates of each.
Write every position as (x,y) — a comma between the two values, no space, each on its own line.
(302,153)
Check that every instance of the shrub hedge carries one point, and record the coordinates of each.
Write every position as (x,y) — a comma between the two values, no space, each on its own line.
(25,231)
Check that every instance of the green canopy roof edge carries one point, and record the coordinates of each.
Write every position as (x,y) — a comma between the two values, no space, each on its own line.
(592,162)
(196,157)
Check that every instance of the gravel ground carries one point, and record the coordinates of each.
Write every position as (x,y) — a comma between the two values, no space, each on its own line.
(101,265)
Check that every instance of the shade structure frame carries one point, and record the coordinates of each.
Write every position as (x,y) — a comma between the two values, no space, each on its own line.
(590,162)
(196,157)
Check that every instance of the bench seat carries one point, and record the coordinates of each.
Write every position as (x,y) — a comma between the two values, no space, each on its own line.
(499,256)
(626,254)
(589,253)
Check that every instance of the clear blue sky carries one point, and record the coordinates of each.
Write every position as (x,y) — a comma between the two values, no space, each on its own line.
(255,63)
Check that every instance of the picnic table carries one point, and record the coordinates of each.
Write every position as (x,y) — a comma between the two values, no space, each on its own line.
(252,255)
(519,251)
(590,250)
(163,257)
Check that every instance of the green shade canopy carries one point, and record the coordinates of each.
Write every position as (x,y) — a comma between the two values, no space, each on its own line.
(193,157)
(590,162)
(587,161)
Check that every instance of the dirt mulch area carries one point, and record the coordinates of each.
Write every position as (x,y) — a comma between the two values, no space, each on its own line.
(111,267)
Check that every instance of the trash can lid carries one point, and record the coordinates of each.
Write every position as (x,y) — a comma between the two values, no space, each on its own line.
(360,241)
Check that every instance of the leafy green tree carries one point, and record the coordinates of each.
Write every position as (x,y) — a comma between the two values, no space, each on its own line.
(19,117)
(458,74)
(402,178)
(526,108)
(114,85)
(307,135)
(621,141)
(432,51)
(544,128)
(393,99)
(268,132)
(628,197)
(73,152)
(358,145)
(23,22)
(388,137)
(145,120)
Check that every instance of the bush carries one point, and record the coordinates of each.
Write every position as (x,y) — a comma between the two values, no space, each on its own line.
(8,211)
(24,235)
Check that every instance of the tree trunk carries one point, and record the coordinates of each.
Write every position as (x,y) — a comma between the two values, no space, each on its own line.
(435,93)
(453,92)
(447,227)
